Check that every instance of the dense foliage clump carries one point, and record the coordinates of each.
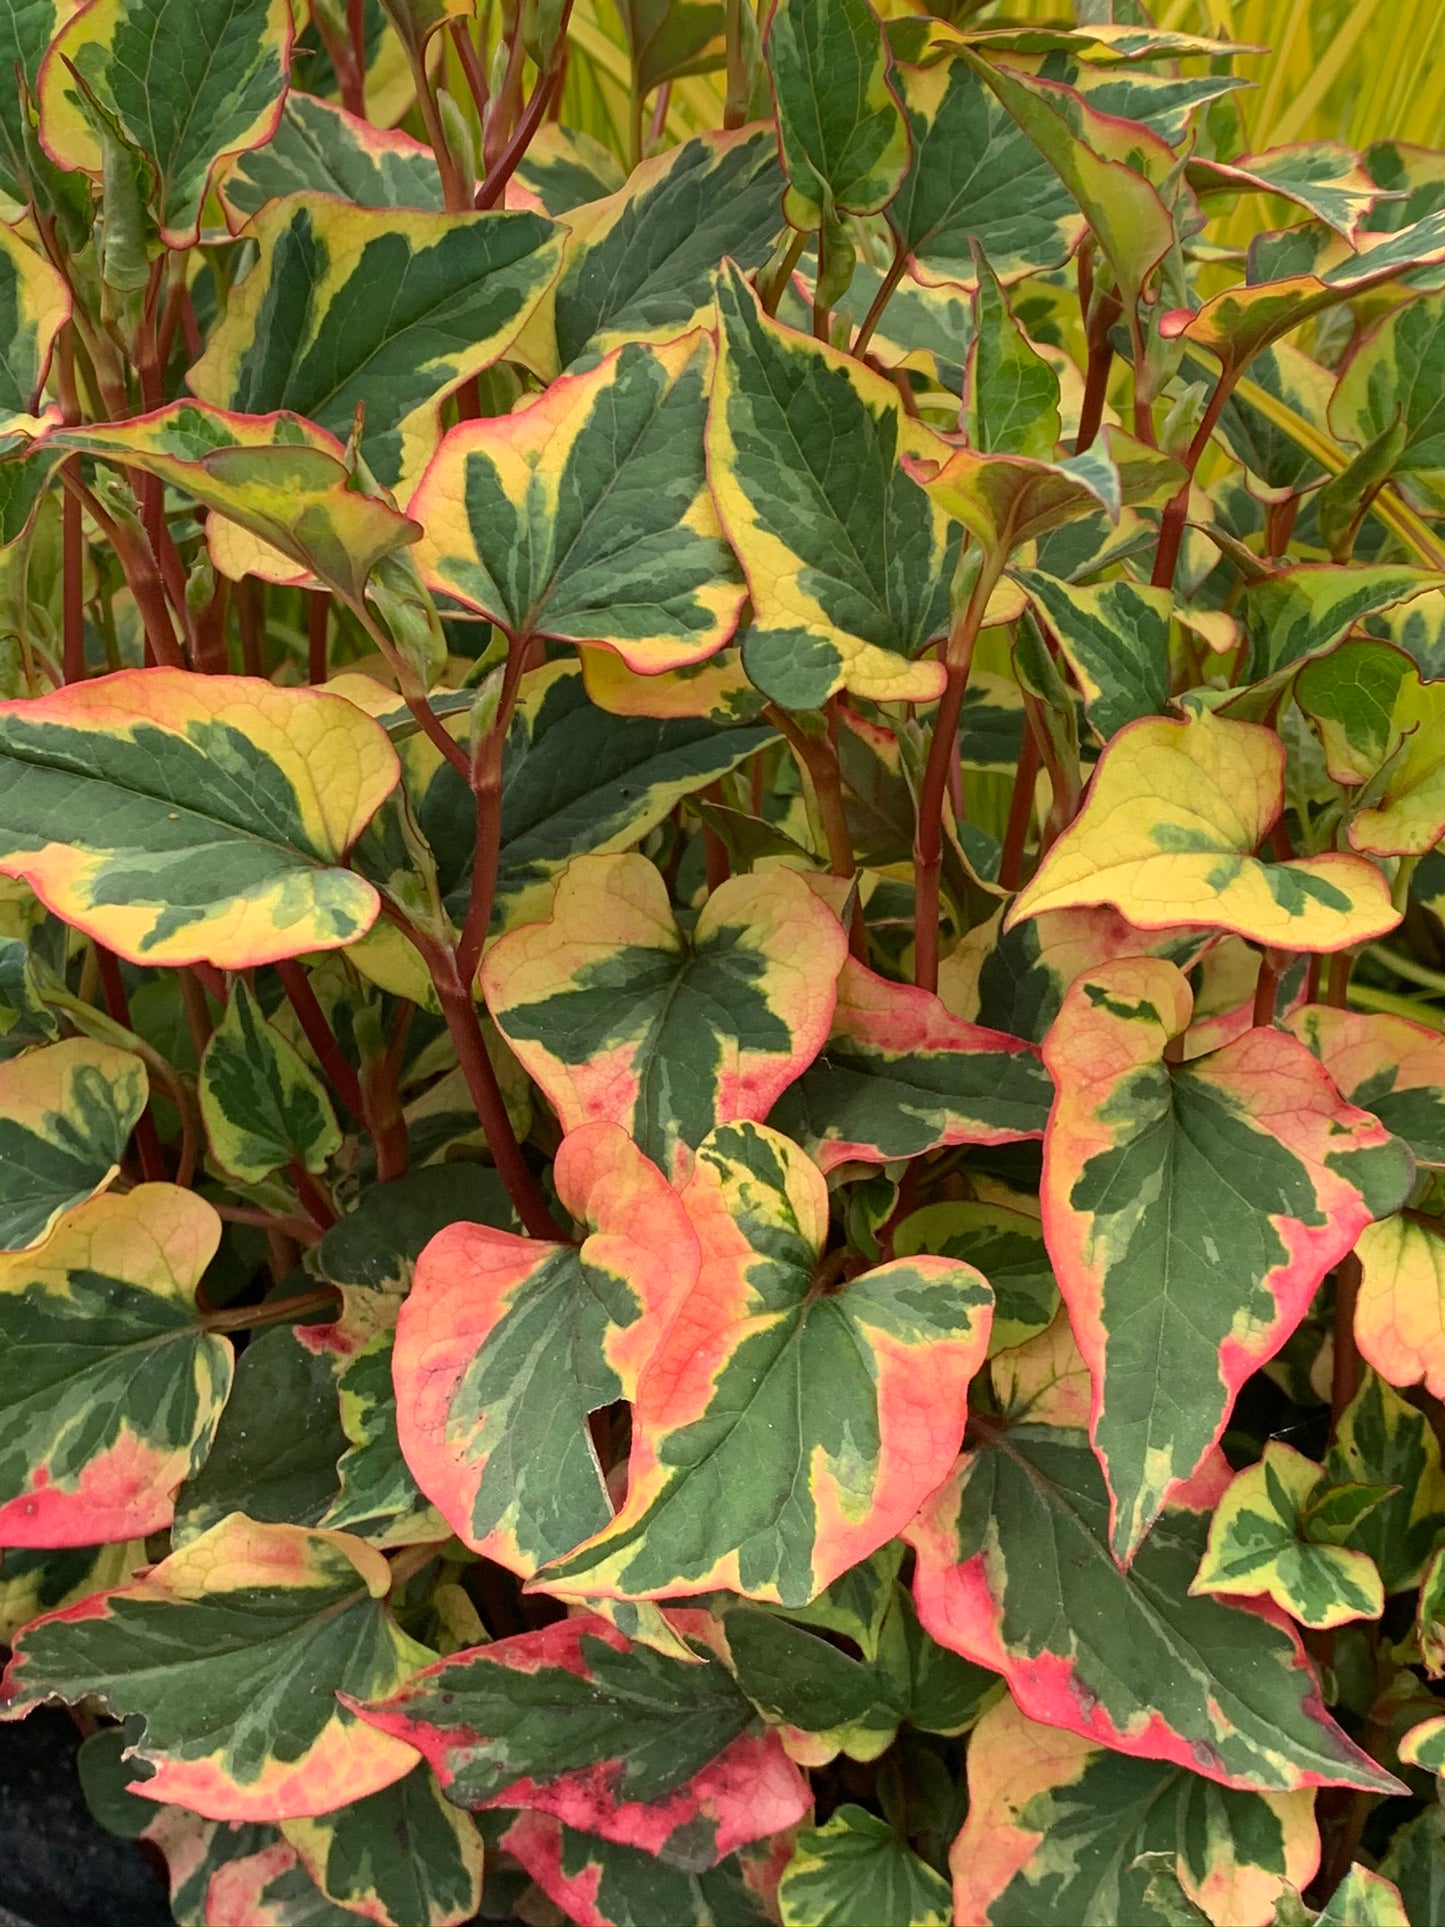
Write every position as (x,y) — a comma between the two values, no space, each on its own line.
(722,989)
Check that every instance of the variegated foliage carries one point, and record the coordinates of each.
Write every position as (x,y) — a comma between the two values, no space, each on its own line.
(722,961)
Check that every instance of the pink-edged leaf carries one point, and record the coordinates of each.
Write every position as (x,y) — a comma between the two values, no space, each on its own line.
(601,1883)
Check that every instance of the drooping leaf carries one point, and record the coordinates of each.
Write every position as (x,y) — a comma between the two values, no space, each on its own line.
(402,1857)
(1258,1544)
(575,779)
(898,1076)
(280,479)
(640,264)
(855,1867)
(232,1650)
(781,1434)
(185,88)
(1191,1211)
(378,1499)
(1384,1064)
(110,1386)
(304,331)
(975,176)
(1015,1572)
(610,1738)
(586,515)
(275,1480)
(263,1107)
(844,139)
(318,148)
(506,1344)
(1056,1828)
(1383,727)
(619,1017)
(847,561)
(1382,1440)
(1116,640)
(1167,834)
(601,1883)
(175,817)
(66,1112)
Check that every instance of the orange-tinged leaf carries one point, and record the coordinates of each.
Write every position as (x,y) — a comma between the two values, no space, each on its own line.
(233,1650)
(1191,1212)
(1168,832)
(1400,1309)
(1384,1064)
(782,1432)
(620,1017)
(506,1344)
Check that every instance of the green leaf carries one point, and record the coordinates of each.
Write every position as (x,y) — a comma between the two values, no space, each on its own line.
(603,1883)
(33,1582)
(1382,1440)
(184,89)
(779,1433)
(1383,728)
(321,149)
(1275,458)
(669,39)
(506,1345)
(800,1679)
(1259,1544)
(1397,378)
(402,1857)
(287,1480)
(378,1499)
(1154,1172)
(858,1601)
(619,1018)
(262,1106)
(1015,1572)
(1116,640)
(232,1650)
(304,332)
(1011,403)
(1416,1864)
(610,1738)
(378,1243)
(847,561)
(844,139)
(1007,1246)
(565,169)
(640,264)
(898,1076)
(1363,1899)
(110,1386)
(1057,1827)
(34,302)
(585,516)
(855,1867)
(176,817)
(66,1113)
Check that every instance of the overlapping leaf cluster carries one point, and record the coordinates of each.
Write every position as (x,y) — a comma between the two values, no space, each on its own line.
(722,1055)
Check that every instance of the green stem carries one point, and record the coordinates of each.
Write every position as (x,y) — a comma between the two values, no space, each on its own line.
(735,104)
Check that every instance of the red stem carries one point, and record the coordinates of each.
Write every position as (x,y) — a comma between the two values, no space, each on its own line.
(318,615)
(497,176)
(1176,512)
(880,300)
(484,775)
(318,1206)
(320,1036)
(1096,377)
(474,73)
(139,567)
(1020,814)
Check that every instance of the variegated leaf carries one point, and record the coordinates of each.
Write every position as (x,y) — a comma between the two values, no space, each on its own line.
(1006,1245)
(1383,1064)
(237,1871)
(617,1016)
(1191,1212)
(378,1499)
(321,149)
(586,516)
(899,1076)
(1400,1308)
(1126,1659)
(845,142)
(856,1867)
(402,1857)
(66,1113)
(263,1107)
(34,303)
(303,333)
(506,1344)
(1364,1899)
(1322,177)
(1168,832)
(782,1433)
(1259,1544)
(640,264)
(110,1386)
(185,88)
(1384,728)
(847,561)
(1383,1441)
(1056,1827)
(233,1650)
(1397,380)
(608,1737)
(1116,640)
(601,1883)
(175,817)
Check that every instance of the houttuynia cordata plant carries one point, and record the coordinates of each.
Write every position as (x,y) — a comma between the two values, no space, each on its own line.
(722,1104)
